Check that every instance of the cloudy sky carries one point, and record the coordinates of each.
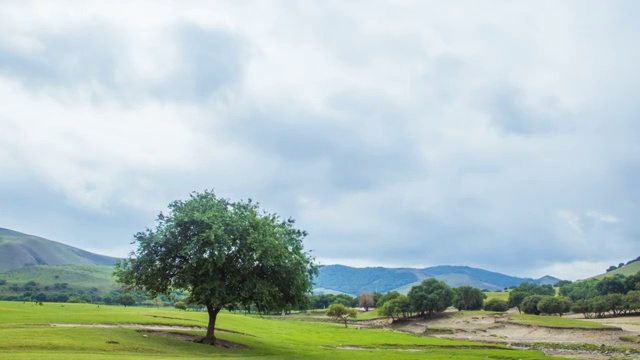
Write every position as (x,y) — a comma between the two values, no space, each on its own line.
(495,134)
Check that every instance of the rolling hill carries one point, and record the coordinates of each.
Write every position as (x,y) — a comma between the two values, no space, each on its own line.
(26,258)
(349,280)
(18,250)
(631,268)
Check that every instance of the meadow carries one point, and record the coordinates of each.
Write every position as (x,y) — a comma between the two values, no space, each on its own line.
(26,333)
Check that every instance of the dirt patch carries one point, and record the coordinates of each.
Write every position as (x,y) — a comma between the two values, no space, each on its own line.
(193,338)
(158,327)
(497,328)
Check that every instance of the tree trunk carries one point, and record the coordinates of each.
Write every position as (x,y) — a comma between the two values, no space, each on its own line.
(213,314)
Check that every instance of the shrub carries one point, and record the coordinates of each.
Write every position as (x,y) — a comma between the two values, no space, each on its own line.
(496,305)
(530,304)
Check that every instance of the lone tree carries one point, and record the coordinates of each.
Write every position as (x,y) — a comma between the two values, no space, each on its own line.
(365,300)
(222,253)
(126,300)
(341,312)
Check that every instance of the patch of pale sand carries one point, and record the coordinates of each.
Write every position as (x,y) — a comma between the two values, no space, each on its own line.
(627,323)
(496,329)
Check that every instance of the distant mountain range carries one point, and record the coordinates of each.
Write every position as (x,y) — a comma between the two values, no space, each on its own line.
(18,250)
(24,254)
(350,280)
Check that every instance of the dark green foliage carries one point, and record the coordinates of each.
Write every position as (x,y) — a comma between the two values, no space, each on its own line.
(611,285)
(468,298)
(580,289)
(321,301)
(346,300)
(632,301)
(126,300)
(430,296)
(632,283)
(387,297)
(530,304)
(180,305)
(223,254)
(496,305)
(554,305)
(396,307)
(3,282)
(524,290)
(515,299)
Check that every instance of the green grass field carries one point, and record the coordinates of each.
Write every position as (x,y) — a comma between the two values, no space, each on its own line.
(556,322)
(626,270)
(26,333)
(500,295)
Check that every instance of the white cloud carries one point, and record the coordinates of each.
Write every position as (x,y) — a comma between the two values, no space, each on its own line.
(414,132)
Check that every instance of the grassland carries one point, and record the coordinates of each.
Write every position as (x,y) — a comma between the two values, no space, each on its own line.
(556,322)
(500,295)
(25,333)
(626,270)
(78,276)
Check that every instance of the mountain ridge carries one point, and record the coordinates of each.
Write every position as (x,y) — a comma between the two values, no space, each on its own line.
(19,250)
(352,280)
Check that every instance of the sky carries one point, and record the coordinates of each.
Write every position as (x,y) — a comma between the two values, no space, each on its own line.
(494,134)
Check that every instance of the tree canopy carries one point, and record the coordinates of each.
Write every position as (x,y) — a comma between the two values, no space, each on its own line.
(341,312)
(223,253)
(468,298)
(430,296)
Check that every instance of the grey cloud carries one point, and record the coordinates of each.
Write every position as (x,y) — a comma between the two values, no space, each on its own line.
(96,58)
(212,60)
(80,56)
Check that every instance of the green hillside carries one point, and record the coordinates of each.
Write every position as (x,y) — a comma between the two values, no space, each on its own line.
(79,276)
(629,269)
(55,280)
(18,250)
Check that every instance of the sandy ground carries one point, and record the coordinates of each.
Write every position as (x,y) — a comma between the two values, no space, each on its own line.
(499,329)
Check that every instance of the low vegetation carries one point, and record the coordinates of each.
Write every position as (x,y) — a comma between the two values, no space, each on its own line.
(26,334)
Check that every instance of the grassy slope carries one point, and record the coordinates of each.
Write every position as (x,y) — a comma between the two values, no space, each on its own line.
(18,250)
(24,334)
(77,276)
(626,270)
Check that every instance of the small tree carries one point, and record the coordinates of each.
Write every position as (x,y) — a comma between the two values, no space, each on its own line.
(341,312)
(365,300)
(530,304)
(180,305)
(553,305)
(496,305)
(126,300)
(515,299)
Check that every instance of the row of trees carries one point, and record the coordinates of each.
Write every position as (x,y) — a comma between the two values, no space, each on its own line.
(433,296)
(611,304)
